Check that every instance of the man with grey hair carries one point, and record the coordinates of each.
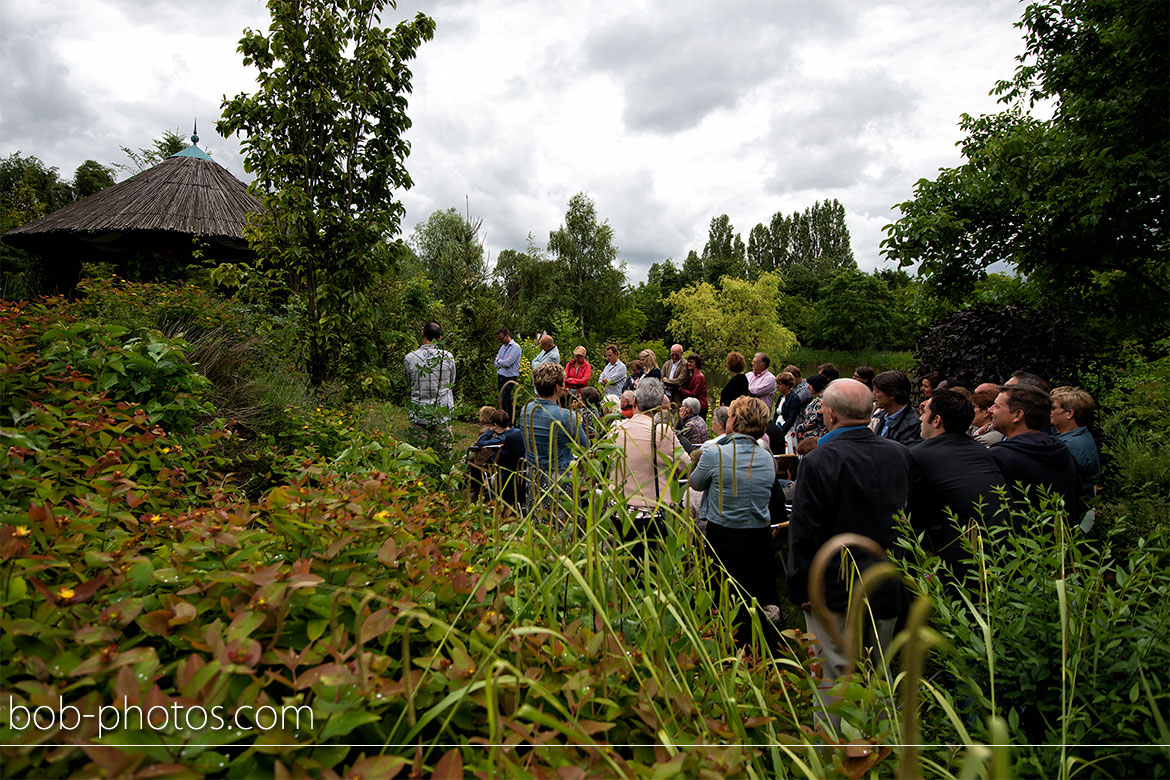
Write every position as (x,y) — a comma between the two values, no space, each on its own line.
(853,482)
(692,428)
(761,381)
(675,373)
(548,352)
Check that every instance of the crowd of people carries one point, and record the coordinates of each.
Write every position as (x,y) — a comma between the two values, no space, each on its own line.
(867,448)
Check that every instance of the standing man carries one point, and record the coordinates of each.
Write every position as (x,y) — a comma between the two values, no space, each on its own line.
(761,381)
(548,353)
(895,419)
(675,374)
(613,376)
(430,374)
(950,470)
(853,482)
(507,368)
(1028,457)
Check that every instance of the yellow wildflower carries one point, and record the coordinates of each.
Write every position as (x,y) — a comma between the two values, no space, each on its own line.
(64,594)
(21,530)
(382,515)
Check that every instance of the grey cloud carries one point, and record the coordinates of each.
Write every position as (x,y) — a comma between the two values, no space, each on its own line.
(827,143)
(39,103)
(703,57)
(818,168)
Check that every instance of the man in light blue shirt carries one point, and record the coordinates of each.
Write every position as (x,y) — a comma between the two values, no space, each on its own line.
(507,369)
(548,353)
(613,376)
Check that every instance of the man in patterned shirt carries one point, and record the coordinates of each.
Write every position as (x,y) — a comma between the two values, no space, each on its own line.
(430,374)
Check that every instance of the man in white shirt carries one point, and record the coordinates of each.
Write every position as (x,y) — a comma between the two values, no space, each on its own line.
(613,376)
(675,374)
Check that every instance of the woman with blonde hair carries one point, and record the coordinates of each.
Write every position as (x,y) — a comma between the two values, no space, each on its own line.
(736,477)
(650,361)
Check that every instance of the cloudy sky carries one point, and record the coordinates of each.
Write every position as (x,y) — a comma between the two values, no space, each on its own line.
(666,113)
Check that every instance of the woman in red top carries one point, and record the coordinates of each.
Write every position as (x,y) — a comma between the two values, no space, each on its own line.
(578,371)
(696,386)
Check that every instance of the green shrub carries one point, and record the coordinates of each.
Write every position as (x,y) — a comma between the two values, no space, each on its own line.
(1055,637)
(44,344)
(1135,428)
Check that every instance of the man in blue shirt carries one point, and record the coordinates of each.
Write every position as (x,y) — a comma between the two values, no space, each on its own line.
(549,432)
(507,368)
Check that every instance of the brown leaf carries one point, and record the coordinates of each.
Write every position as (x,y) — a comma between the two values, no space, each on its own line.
(388,552)
(450,766)
(377,624)
(381,767)
(86,589)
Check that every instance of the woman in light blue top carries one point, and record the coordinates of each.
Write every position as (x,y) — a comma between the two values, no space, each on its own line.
(736,477)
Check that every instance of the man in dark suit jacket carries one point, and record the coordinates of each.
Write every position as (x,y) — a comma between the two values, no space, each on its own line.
(950,470)
(895,419)
(853,482)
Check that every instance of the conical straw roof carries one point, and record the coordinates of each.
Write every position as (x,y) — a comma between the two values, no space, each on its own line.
(187,193)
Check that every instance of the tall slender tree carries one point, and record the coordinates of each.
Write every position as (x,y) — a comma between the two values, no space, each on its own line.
(724,254)
(593,280)
(324,136)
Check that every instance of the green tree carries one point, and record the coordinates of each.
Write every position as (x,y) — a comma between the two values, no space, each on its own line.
(29,190)
(583,247)
(90,177)
(815,241)
(692,269)
(857,311)
(738,315)
(724,254)
(324,137)
(1078,203)
(163,147)
(451,254)
(531,287)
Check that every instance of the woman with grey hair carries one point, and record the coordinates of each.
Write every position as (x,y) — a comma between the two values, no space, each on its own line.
(652,455)
(691,425)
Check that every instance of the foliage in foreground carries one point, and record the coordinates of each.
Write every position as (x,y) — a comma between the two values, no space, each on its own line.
(364,588)
(1055,637)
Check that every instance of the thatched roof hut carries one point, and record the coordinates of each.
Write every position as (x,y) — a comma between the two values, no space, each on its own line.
(145,225)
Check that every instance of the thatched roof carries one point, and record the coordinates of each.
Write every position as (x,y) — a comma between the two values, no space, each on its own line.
(188,193)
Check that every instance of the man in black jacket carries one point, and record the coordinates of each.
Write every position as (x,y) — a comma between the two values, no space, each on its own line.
(853,482)
(1029,458)
(895,419)
(950,470)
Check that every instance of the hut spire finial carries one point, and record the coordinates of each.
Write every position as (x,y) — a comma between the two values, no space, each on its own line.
(195,131)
